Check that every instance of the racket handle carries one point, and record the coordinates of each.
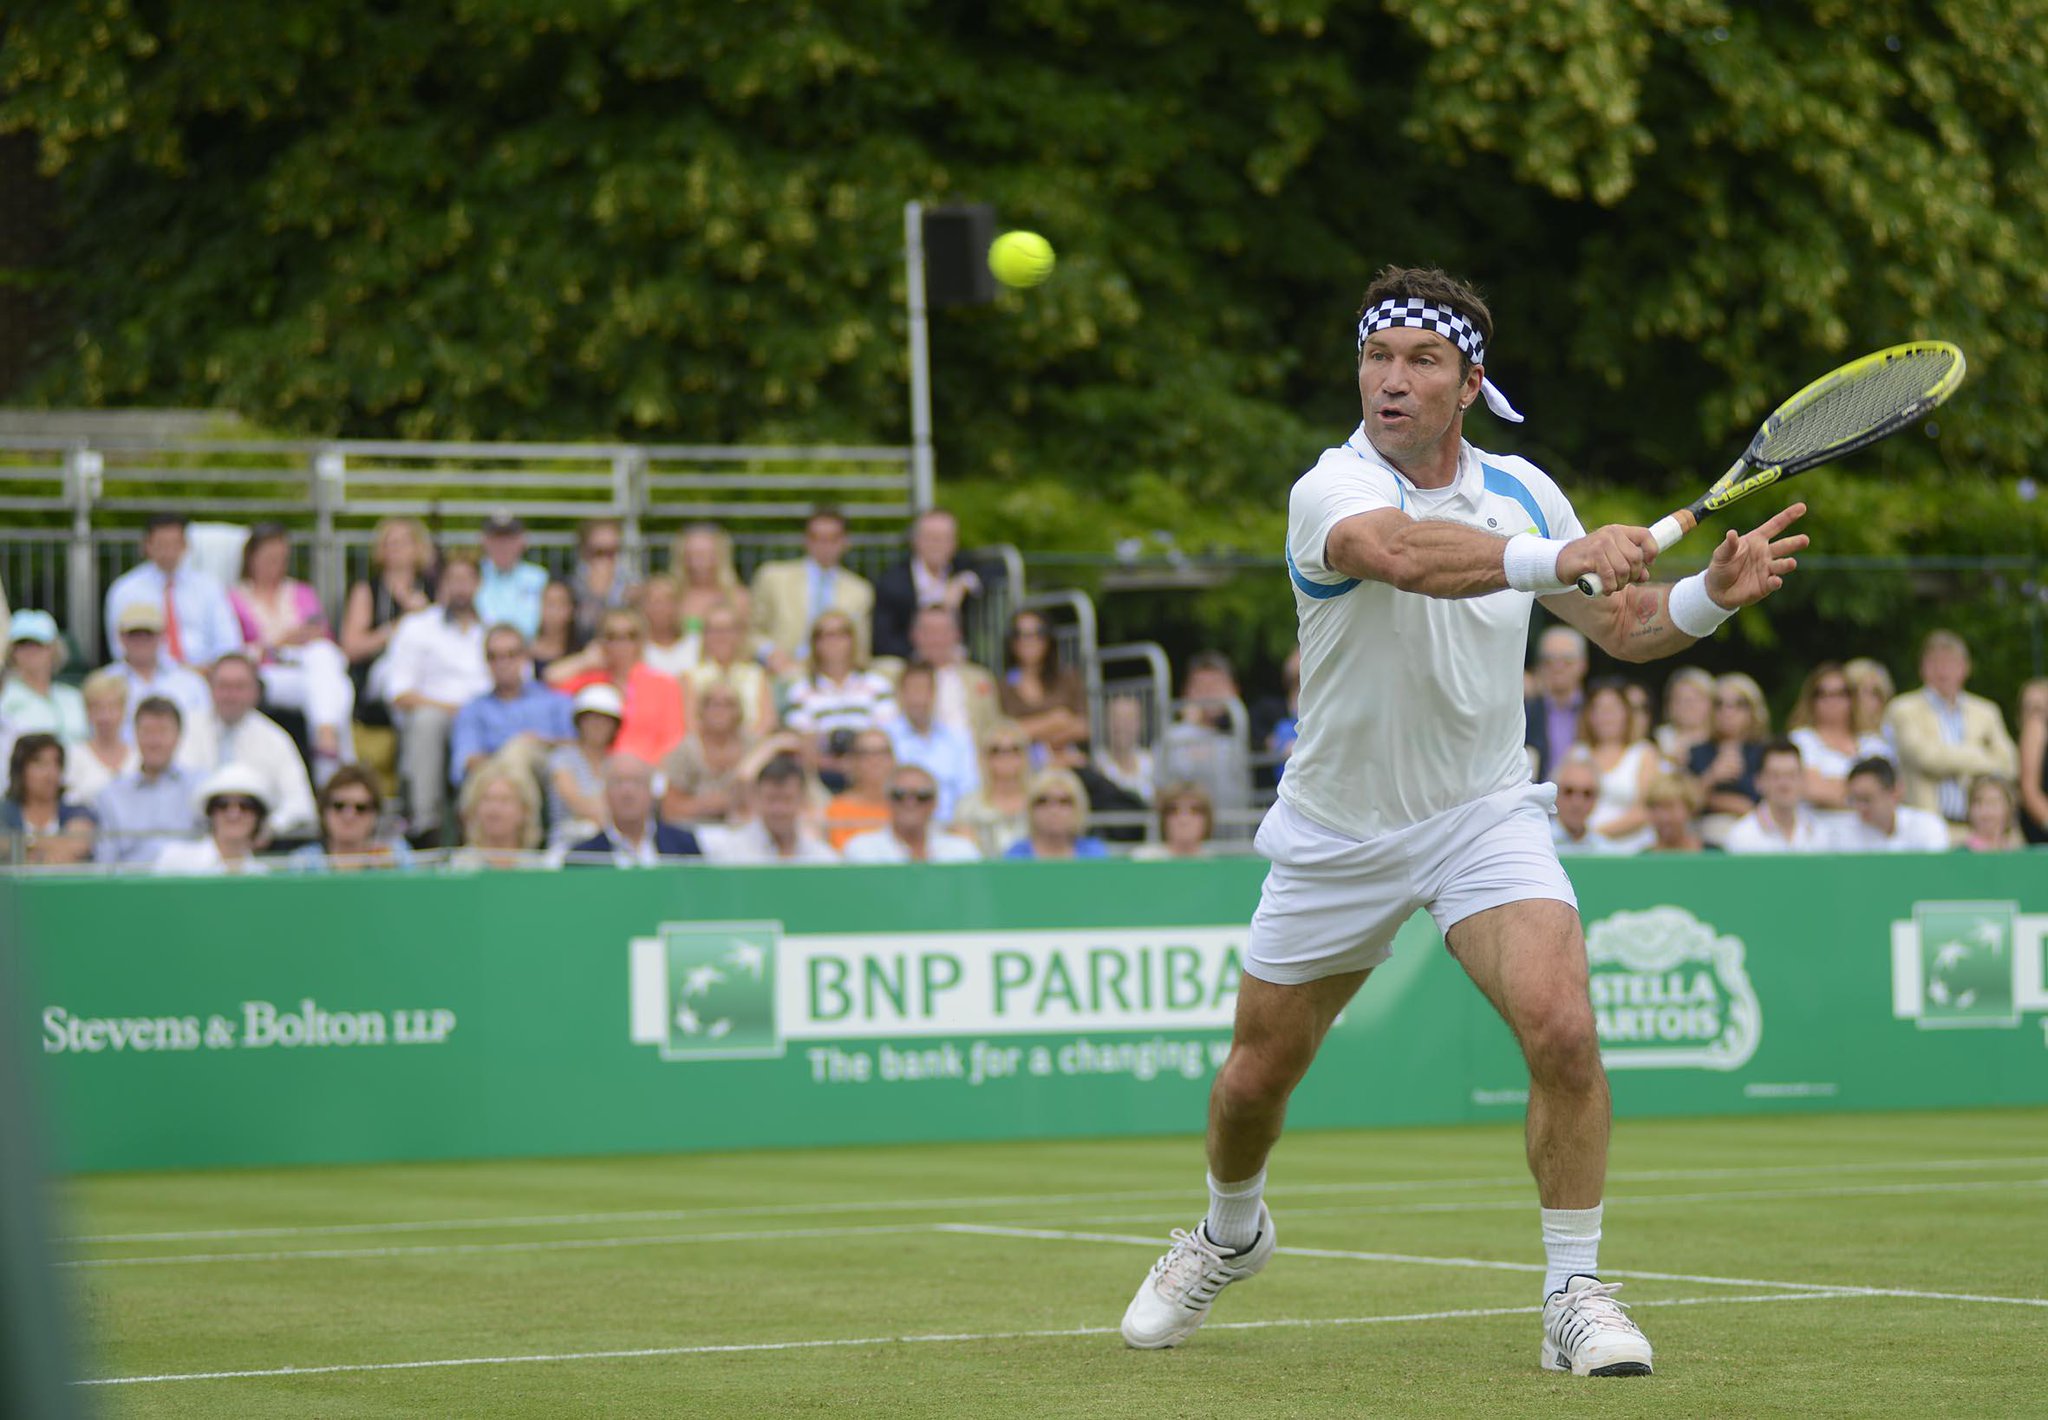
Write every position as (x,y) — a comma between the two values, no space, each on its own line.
(1667,530)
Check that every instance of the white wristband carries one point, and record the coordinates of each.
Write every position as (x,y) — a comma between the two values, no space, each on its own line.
(1693,611)
(1531,564)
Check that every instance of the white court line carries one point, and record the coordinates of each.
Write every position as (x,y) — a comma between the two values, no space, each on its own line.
(1487,1264)
(1023,1200)
(780,1234)
(912,1340)
(471,1249)
(1511,1204)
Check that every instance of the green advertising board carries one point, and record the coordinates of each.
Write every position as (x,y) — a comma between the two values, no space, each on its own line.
(192,1023)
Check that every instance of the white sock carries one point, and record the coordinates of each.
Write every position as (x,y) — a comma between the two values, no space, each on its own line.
(1234,1211)
(1571,1246)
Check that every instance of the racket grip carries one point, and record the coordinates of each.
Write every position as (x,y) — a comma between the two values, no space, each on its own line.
(1667,530)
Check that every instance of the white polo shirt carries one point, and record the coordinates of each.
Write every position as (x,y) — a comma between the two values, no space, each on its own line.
(1913,831)
(1410,705)
(1757,832)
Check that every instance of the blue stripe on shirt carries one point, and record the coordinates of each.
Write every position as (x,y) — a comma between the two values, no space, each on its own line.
(1499,480)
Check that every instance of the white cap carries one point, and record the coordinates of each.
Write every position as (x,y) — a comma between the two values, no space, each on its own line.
(233,779)
(600,699)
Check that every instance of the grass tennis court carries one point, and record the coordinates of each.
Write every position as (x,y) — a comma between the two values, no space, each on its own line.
(1889,1264)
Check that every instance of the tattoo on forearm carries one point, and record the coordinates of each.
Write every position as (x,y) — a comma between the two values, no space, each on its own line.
(1645,611)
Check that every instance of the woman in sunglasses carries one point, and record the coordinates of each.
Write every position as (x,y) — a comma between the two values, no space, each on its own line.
(1823,725)
(349,808)
(234,802)
(1059,813)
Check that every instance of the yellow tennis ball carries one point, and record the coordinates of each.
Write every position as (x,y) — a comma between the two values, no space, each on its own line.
(1020,258)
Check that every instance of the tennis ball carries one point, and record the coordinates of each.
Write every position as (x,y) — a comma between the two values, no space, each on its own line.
(1020,258)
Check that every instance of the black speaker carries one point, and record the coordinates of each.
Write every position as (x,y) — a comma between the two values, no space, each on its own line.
(956,242)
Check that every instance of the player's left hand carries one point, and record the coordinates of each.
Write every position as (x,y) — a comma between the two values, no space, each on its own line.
(1748,567)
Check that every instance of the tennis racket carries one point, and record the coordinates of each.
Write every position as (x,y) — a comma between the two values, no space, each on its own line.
(1839,413)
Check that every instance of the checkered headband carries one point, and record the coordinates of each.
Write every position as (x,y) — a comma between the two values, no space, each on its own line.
(1415,313)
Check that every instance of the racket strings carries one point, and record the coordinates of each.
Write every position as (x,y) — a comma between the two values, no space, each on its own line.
(1863,406)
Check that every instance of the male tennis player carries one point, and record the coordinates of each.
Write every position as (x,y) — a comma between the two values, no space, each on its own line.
(1415,559)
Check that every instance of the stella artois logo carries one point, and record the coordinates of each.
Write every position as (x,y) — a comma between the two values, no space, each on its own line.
(1670,992)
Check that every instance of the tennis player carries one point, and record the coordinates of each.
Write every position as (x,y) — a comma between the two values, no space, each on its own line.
(1415,559)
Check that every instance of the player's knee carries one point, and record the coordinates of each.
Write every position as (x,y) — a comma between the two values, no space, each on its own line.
(1562,1047)
(1257,1075)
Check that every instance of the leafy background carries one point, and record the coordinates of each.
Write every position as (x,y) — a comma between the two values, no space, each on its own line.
(621,218)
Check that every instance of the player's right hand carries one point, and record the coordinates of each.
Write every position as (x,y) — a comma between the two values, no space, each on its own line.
(1618,554)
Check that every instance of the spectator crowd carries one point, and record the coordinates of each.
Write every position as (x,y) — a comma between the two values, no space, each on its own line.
(1856,768)
(467,701)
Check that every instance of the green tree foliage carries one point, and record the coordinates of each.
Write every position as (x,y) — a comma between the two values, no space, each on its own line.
(585,218)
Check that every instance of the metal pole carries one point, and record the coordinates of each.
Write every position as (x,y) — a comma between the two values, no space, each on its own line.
(330,571)
(82,470)
(922,475)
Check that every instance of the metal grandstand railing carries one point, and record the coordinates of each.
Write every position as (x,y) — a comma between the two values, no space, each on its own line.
(74,506)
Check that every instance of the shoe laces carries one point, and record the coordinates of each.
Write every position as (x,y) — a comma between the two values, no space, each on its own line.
(1191,1258)
(1598,1305)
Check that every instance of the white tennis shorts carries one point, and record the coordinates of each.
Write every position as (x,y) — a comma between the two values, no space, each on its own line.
(1332,903)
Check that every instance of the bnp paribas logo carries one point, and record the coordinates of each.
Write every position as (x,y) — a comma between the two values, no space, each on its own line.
(706,990)
(1671,992)
(1968,964)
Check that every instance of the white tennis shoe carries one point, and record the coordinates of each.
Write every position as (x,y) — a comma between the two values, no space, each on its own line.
(1587,1332)
(1176,1295)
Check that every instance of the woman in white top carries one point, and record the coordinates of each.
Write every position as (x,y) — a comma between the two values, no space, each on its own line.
(1823,725)
(235,803)
(1625,766)
(104,757)
(669,648)
(286,629)
(1123,759)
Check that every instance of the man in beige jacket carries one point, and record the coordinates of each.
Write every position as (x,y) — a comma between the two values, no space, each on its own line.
(789,596)
(1945,735)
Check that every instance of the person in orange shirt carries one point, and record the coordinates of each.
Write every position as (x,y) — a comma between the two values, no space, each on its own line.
(864,804)
(653,722)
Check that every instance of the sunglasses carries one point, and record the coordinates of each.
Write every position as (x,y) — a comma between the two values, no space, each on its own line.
(1006,749)
(1043,799)
(913,796)
(351,806)
(238,803)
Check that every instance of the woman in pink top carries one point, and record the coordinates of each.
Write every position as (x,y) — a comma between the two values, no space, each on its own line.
(286,630)
(653,722)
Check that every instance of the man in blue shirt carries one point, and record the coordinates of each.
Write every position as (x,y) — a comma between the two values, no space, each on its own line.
(519,718)
(940,750)
(141,812)
(199,624)
(511,589)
